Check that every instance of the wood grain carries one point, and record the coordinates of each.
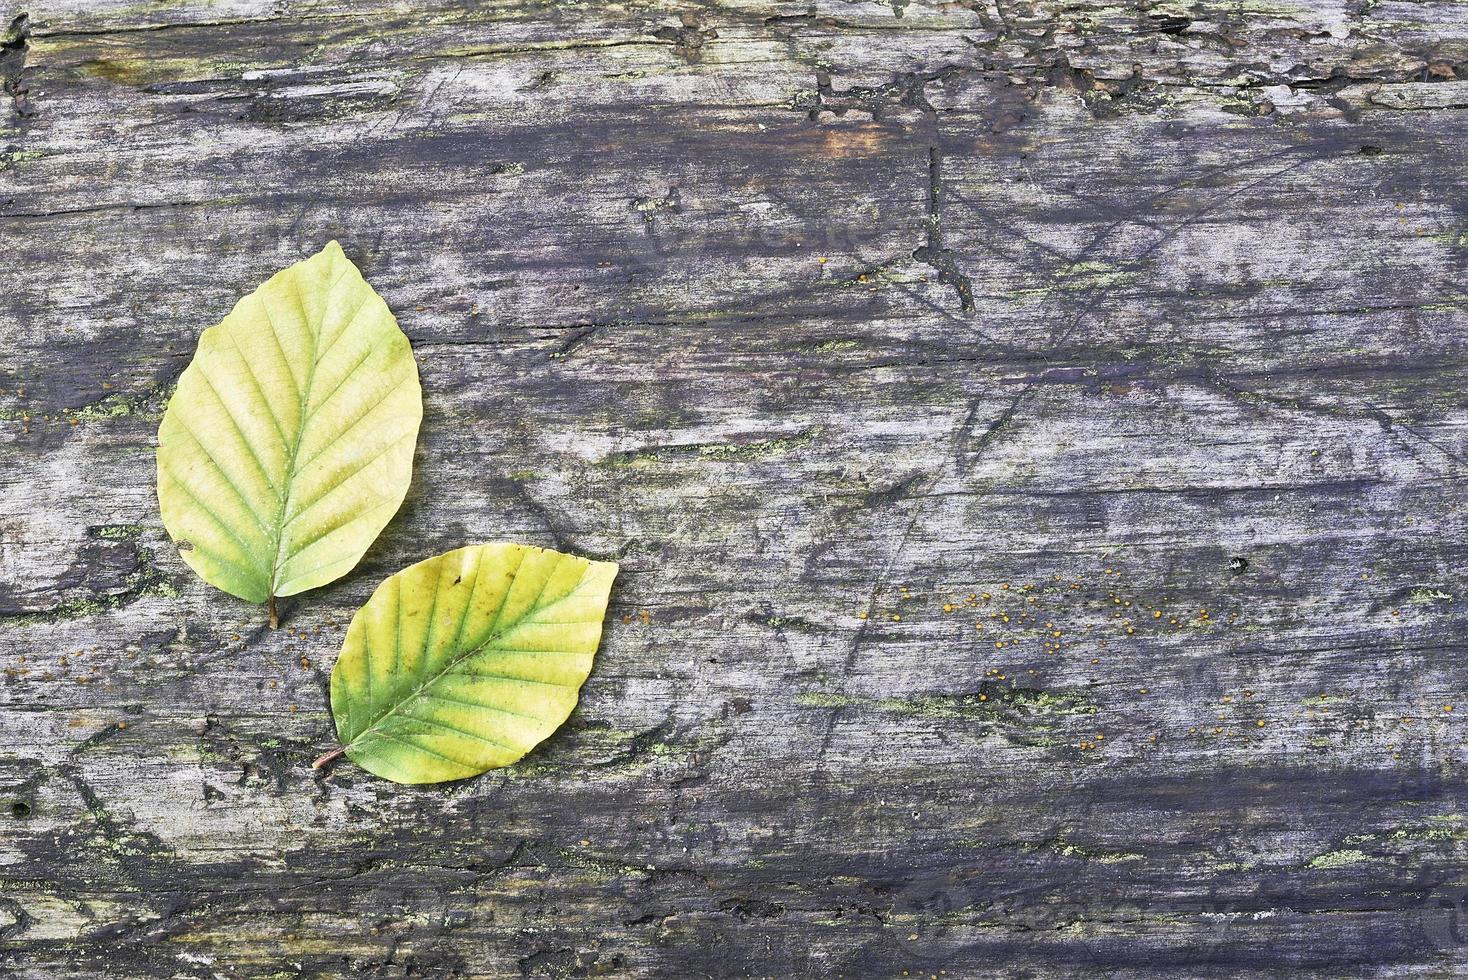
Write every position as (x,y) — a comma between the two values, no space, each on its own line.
(1032,434)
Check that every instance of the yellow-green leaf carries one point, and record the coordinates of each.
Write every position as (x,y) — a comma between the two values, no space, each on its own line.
(289,443)
(467,661)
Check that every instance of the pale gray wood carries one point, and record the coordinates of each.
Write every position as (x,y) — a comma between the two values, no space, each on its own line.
(802,311)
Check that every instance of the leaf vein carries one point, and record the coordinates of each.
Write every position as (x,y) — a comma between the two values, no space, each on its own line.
(260,389)
(354,423)
(249,507)
(477,704)
(302,394)
(259,463)
(421,748)
(458,731)
(223,525)
(338,484)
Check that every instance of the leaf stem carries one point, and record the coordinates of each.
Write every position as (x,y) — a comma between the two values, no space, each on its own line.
(274,619)
(324,759)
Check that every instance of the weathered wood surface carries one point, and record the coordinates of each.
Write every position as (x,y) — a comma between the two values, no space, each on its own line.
(1093,315)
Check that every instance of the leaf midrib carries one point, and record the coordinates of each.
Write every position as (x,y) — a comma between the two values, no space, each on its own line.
(291,471)
(304,395)
(276,530)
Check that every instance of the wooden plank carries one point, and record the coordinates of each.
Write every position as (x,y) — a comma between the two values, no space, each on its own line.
(1032,434)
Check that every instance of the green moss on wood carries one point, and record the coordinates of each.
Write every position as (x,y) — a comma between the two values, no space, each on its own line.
(1337,859)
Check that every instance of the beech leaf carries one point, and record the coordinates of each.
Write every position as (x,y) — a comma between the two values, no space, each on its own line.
(288,445)
(467,661)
